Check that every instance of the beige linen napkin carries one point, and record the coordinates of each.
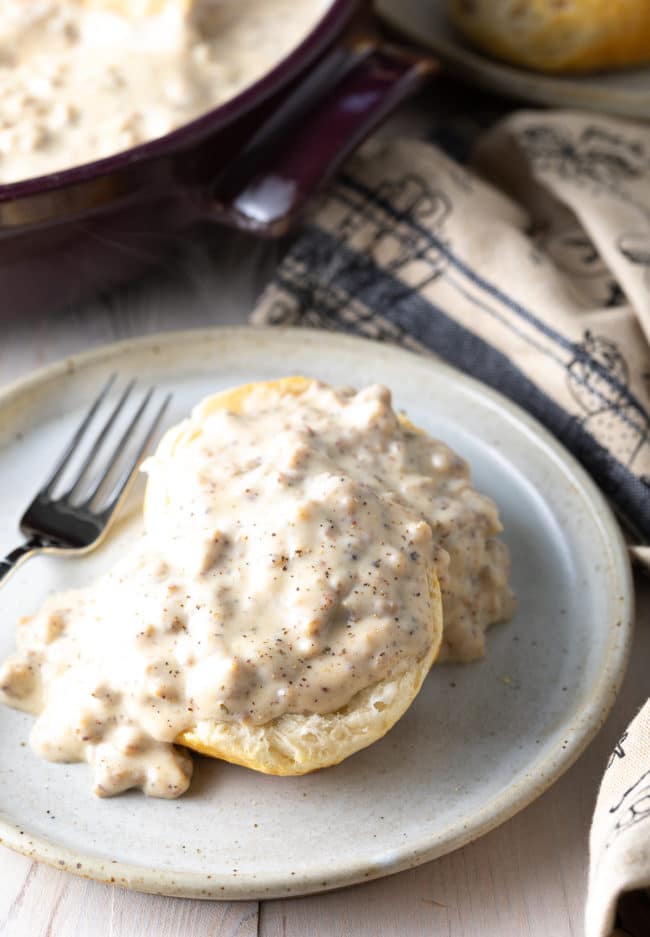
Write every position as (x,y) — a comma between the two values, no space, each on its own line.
(531,272)
(620,836)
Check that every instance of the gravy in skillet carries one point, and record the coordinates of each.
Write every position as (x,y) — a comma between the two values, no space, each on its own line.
(78,84)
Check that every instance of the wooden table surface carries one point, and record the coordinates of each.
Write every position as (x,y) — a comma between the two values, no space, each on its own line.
(525,879)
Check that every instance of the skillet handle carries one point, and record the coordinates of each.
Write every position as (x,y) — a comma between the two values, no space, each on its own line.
(271,199)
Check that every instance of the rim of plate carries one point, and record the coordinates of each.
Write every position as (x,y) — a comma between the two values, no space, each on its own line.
(541,774)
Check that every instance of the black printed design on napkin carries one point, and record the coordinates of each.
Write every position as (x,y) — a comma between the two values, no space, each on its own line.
(619,751)
(632,808)
(593,156)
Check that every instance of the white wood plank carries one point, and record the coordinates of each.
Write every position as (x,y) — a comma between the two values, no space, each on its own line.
(37,901)
(174,917)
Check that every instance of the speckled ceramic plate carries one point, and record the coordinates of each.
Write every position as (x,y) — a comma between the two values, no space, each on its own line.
(479,743)
(624,92)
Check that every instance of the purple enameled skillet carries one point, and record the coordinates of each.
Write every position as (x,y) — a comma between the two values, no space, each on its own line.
(250,164)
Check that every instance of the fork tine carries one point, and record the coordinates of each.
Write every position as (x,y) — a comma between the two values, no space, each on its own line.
(76,439)
(99,439)
(129,472)
(119,448)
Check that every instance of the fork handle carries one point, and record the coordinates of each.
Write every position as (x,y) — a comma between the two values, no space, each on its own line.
(13,560)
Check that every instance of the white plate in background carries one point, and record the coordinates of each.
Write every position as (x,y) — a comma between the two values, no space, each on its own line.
(625,92)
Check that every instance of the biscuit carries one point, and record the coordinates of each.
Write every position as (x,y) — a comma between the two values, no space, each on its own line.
(552,36)
(293,743)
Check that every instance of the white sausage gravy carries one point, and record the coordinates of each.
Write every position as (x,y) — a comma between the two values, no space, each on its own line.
(78,84)
(285,566)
